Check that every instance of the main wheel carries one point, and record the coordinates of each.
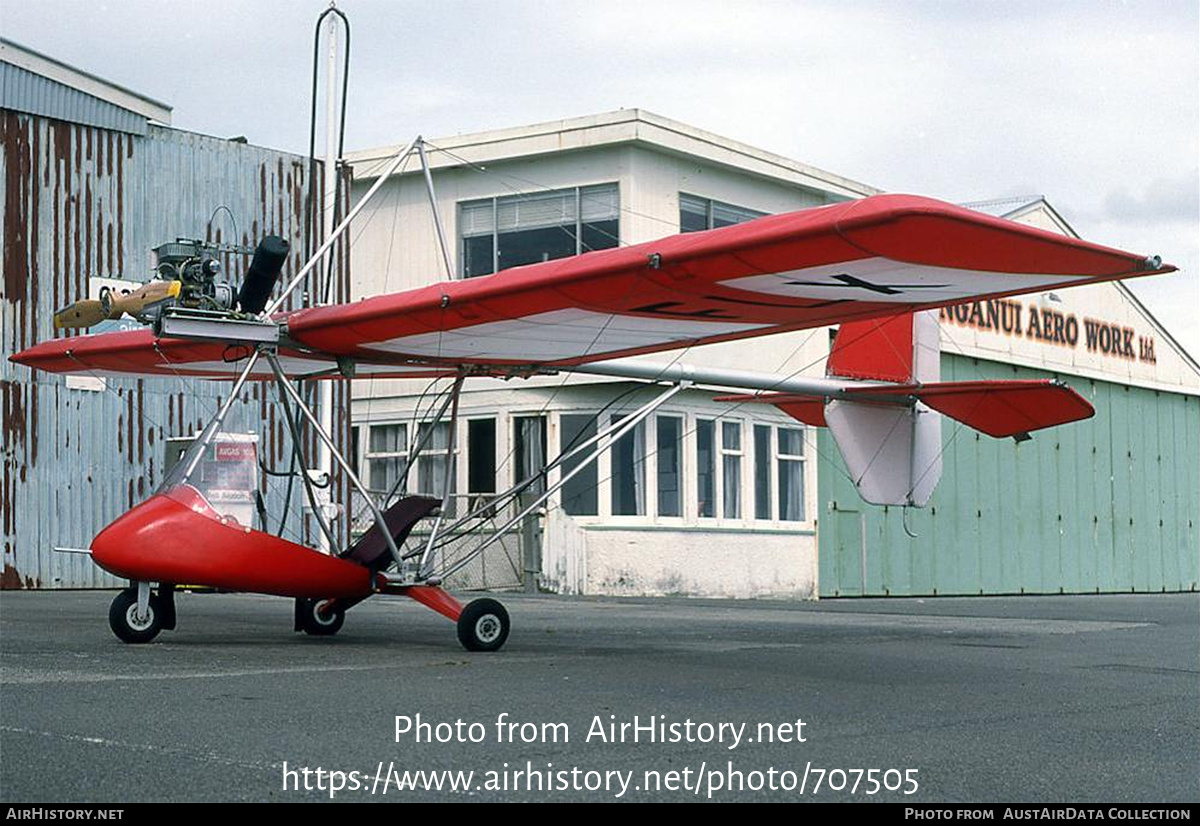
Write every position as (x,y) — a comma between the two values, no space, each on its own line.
(318,619)
(483,625)
(127,625)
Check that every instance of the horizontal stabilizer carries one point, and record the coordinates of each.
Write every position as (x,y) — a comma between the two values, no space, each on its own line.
(997,408)
(1003,408)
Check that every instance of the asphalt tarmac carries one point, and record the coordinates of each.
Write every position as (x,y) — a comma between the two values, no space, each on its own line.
(1023,699)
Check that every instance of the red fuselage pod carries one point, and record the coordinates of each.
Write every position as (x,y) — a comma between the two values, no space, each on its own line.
(177,537)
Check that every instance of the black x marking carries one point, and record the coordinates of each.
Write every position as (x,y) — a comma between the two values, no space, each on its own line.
(667,308)
(858,283)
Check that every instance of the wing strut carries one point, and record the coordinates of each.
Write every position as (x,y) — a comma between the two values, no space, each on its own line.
(433,206)
(427,556)
(286,387)
(317,256)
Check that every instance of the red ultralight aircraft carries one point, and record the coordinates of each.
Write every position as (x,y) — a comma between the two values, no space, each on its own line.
(872,266)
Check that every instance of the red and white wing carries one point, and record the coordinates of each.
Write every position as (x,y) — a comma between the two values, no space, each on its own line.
(140,352)
(858,259)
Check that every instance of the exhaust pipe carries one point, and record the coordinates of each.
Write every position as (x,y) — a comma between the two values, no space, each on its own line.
(269,258)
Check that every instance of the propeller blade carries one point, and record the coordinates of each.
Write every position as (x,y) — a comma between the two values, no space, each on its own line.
(82,314)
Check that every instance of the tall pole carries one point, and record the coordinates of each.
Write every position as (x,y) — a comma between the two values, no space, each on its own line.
(325,388)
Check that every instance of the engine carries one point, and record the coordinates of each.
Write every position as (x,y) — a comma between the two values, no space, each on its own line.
(195,266)
(187,283)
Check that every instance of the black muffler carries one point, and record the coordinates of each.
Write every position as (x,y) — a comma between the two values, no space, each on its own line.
(265,267)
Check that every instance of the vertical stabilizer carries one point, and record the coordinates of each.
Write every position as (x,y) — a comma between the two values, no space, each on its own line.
(893,452)
(903,348)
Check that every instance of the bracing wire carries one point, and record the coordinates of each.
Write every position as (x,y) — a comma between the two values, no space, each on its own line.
(505,180)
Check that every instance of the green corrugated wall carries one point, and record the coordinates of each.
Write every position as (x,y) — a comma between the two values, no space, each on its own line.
(1109,504)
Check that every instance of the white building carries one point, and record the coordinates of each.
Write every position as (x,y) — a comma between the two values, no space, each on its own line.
(709,498)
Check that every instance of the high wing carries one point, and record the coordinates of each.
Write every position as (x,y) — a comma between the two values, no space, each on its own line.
(872,257)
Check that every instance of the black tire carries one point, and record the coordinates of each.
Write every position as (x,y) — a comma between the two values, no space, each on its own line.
(123,619)
(483,625)
(318,623)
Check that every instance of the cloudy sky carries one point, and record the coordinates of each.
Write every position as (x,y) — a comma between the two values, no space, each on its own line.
(1093,104)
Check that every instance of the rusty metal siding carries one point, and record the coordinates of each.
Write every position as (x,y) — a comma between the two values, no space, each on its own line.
(81,201)
(24,91)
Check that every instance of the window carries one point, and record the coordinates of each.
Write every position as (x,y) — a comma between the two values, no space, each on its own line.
(432,460)
(706,469)
(629,471)
(669,442)
(731,470)
(503,232)
(529,452)
(579,497)
(697,214)
(387,452)
(762,471)
(791,474)
(481,456)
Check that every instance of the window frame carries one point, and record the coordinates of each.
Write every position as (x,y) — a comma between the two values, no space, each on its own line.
(368,455)
(709,207)
(740,453)
(775,459)
(639,469)
(495,201)
(681,468)
(559,427)
(515,417)
(778,457)
(495,422)
(756,429)
(430,453)
(712,467)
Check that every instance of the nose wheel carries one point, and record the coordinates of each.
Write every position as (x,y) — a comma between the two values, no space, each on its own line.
(483,625)
(135,624)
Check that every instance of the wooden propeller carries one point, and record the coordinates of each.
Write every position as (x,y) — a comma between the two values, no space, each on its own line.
(89,312)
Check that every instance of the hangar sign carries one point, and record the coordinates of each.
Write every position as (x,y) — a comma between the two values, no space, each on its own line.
(1035,323)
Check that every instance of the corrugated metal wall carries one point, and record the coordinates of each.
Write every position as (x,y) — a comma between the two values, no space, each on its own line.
(81,201)
(1111,504)
(26,91)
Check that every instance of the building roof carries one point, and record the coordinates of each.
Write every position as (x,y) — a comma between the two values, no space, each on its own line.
(1003,207)
(625,126)
(1014,208)
(37,84)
